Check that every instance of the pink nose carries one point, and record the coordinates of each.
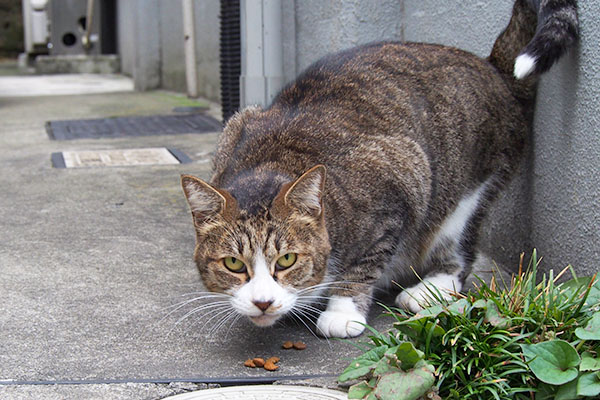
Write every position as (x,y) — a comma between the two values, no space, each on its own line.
(263,305)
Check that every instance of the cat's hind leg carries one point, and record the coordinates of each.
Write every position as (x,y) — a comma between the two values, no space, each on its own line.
(432,289)
(452,252)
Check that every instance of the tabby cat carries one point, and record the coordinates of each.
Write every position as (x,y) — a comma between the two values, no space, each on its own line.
(376,163)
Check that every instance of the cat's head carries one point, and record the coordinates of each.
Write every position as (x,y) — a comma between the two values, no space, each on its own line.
(270,261)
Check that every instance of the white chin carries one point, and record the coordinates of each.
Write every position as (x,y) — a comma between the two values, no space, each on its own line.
(264,320)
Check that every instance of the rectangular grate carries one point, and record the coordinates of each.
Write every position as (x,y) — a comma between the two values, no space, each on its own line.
(131,126)
(118,158)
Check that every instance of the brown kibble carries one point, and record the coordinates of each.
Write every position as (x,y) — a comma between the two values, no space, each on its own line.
(259,362)
(249,363)
(288,345)
(273,360)
(270,366)
(299,345)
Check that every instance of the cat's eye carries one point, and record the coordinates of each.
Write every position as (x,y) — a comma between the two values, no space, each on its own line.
(286,261)
(234,264)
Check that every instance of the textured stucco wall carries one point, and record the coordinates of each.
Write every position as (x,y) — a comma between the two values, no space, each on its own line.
(553,204)
(325,26)
(566,184)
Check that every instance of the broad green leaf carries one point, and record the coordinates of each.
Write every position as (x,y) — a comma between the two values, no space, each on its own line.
(408,355)
(576,284)
(589,363)
(428,312)
(405,385)
(384,366)
(567,391)
(588,385)
(415,328)
(593,298)
(362,365)
(481,303)
(492,315)
(591,330)
(554,362)
(359,391)
(459,306)
(545,391)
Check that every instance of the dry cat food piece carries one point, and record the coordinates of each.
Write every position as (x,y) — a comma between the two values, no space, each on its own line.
(299,345)
(259,362)
(287,345)
(270,366)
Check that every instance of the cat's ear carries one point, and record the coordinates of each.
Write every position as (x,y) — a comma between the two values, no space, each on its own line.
(305,195)
(205,201)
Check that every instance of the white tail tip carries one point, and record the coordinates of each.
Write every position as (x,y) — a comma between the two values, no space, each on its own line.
(524,65)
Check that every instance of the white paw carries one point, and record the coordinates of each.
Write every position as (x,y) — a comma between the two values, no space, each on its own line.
(341,319)
(341,325)
(427,292)
(414,299)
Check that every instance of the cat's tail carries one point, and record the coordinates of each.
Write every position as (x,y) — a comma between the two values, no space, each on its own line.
(538,34)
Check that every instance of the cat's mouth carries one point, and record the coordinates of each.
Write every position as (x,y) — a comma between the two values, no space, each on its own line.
(264,320)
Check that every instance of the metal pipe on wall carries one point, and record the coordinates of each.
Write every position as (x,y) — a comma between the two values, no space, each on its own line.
(262,51)
(189,36)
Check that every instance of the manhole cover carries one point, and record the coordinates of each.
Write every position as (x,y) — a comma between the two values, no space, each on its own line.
(117,158)
(131,126)
(263,392)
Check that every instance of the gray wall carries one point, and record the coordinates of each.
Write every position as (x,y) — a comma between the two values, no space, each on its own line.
(566,184)
(554,203)
(151,44)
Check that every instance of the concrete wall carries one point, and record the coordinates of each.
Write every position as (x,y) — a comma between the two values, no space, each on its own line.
(324,26)
(554,203)
(151,45)
(566,183)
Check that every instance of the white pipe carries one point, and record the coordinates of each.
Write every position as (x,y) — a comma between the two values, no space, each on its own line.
(189,35)
(273,47)
(88,25)
(262,51)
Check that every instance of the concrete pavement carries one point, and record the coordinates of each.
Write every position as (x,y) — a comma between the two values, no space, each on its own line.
(93,259)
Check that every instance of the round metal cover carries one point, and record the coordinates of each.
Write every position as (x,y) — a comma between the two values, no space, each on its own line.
(263,392)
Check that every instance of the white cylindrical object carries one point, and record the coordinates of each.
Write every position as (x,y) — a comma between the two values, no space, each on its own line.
(262,51)
(273,48)
(189,35)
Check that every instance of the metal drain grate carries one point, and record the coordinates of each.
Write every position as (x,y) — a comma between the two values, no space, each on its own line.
(118,158)
(131,126)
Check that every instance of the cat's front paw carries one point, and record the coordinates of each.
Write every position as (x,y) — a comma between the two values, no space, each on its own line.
(341,319)
(339,324)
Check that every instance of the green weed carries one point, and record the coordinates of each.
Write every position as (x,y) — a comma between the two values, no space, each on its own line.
(530,338)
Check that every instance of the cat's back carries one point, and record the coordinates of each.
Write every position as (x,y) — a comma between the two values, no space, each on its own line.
(369,96)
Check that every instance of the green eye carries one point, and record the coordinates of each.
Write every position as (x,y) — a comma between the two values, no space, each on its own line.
(234,265)
(286,261)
